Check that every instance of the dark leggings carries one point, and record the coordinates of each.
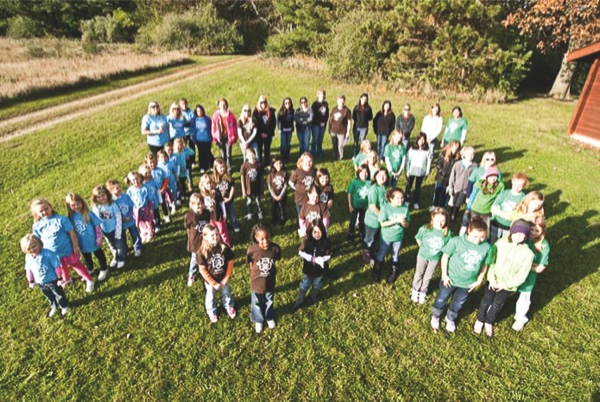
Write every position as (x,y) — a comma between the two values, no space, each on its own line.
(491,304)
(89,264)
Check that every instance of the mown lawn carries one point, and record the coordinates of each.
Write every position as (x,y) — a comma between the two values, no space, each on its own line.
(144,335)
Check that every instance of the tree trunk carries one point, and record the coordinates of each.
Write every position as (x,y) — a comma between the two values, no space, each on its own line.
(561,89)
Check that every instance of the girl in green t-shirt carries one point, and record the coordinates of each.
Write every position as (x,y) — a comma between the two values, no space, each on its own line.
(456,127)
(376,200)
(395,156)
(394,218)
(481,200)
(358,193)
(431,238)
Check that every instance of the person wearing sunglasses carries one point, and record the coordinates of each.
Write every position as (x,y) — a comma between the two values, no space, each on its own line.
(266,122)
(224,130)
(285,122)
(154,127)
(304,118)
(405,124)
(247,133)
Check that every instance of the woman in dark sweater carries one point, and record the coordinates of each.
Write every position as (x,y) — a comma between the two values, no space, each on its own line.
(383,124)
(361,116)
(266,122)
(285,122)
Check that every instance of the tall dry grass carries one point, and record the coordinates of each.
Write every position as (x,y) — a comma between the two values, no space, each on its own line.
(41,64)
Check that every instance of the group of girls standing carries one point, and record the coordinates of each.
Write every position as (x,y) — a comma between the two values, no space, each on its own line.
(509,219)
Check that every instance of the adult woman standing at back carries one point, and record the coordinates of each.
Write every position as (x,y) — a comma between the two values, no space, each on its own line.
(405,124)
(154,127)
(432,126)
(320,109)
(285,121)
(304,117)
(266,122)
(362,116)
(224,130)
(383,124)
(202,138)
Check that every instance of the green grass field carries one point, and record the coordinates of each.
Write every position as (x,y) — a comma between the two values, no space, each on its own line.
(144,335)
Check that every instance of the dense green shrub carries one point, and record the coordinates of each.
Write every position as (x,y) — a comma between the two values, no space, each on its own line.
(107,29)
(20,27)
(285,44)
(198,30)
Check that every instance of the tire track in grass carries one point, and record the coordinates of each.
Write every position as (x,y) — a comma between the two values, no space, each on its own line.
(9,129)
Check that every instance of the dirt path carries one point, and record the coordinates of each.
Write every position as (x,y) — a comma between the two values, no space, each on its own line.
(13,127)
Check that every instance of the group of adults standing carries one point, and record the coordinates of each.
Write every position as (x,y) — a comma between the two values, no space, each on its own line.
(256,126)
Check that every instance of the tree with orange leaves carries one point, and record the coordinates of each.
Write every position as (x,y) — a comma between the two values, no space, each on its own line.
(559,24)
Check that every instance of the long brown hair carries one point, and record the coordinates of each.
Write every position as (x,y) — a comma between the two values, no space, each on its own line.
(85,210)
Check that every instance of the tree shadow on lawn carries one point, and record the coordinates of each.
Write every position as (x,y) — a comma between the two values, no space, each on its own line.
(503,154)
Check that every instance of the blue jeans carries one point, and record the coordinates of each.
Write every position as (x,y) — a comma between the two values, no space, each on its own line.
(460,297)
(307,281)
(210,302)
(370,234)
(135,238)
(384,247)
(55,294)
(316,146)
(360,134)
(230,214)
(116,246)
(193,266)
(256,199)
(262,306)
(418,180)
(381,141)
(285,143)
(303,139)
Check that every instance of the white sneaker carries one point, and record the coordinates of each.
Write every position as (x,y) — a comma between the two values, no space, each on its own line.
(258,327)
(489,330)
(137,253)
(120,264)
(166,219)
(271,324)
(416,206)
(260,215)
(52,312)
(64,311)
(478,327)
(190,281)
(422,297)
(435,323)
(414,296)
(113,263)
(65,283)
(236,229)
(89,287)
(519,325)
(202,171)
(156,230)
(173,208)
(450,325)
(178,203)
(102,275)
(249,217)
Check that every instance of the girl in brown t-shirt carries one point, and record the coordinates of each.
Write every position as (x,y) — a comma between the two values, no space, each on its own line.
(215,260)
(313,212)
(261,256)
(212,201)
(277,188)
(302,178)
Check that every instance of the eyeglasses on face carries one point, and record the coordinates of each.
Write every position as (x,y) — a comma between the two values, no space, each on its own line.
(263,102)
(153,106)
(490,159)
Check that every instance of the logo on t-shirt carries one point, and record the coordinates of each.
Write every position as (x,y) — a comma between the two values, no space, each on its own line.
(363,192)
(252,174)
(209,203)
(278,182)
(223,186)
(471,258)
(217,262)
(200,226)
(79,227)
(507,206)
(324,197)
(337,116)
(124,209)
(313,216)
(435,244)
(323,110)
(396,154)
(308,181)
(264,266)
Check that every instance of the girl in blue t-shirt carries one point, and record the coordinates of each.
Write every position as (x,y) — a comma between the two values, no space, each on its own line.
(128,222)
(110,222)
(89,233)
(58,235)
(170,170)
(43,269)
(143,210)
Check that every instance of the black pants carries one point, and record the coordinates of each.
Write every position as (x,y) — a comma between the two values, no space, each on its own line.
(357,216)
(205,156)
(418,180)
(154,149)
(264,146)
(279,211)
(491,304)
(89,264)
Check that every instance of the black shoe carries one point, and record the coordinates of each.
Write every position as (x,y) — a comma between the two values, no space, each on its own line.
(393,275)
(377,272)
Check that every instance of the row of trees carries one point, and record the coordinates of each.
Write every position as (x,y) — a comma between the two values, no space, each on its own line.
(462,45)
